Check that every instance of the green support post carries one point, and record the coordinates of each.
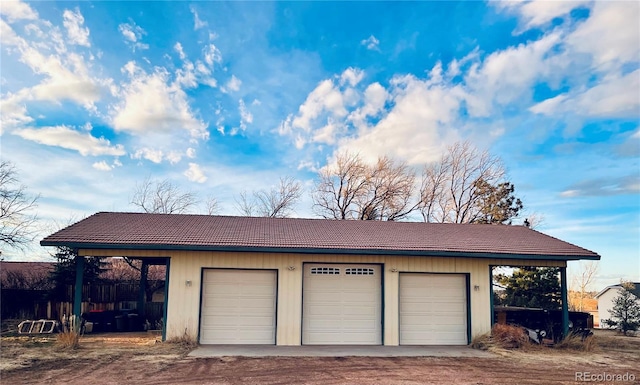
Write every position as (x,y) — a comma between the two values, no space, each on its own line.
(77,298)
(166,299)
(565,302)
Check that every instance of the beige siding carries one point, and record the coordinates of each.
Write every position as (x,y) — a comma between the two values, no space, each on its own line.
(184,300)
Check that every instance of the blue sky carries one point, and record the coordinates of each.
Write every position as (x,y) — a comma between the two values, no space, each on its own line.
(226,97)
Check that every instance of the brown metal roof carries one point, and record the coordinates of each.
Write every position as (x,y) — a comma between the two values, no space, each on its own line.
(26,267)
(107,230)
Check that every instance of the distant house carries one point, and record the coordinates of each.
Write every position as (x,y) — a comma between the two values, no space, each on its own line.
(285,281)
(25,275)
(605,300)
(24,288)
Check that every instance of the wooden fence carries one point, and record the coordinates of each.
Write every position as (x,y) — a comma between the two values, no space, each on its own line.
(38,304)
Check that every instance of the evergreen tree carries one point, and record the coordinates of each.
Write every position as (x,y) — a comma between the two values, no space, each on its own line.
(536,287)
(625,314)
(496,204)
(64,273)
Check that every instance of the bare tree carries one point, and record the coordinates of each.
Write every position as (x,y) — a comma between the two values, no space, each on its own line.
(277,202)
(245,205)
(212,205)
(389,193)
(339,187)
(351,189)
(164,197)
(458,188)
(17,223)
(581,282)
(26,279)
(534,220)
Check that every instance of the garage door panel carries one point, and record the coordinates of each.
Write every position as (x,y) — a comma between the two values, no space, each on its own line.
(343,307)
(356,311)
(238,307)
(433,309)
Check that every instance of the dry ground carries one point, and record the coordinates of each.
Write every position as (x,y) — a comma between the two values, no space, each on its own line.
(140,359)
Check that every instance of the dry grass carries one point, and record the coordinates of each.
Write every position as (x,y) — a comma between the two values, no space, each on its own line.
(185,341)
(68,340)
(578,343)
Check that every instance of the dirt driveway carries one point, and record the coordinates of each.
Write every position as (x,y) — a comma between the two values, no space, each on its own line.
(140,360)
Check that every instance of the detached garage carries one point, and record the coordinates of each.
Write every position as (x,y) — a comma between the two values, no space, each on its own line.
(282,281)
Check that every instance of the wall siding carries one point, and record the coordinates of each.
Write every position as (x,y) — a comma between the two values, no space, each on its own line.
(184,300)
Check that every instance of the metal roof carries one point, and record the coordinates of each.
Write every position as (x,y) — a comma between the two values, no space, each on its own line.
(112,230)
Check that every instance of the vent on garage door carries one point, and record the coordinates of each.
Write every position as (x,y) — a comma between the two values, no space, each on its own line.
(358,271)
(325,271)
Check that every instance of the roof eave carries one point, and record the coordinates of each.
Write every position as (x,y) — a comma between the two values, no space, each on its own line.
(312,250)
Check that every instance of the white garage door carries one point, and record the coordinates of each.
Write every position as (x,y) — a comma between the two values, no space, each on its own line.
(433,309)
(342,305)
(238,307)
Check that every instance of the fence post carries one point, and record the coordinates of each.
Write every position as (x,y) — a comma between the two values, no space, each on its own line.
(77,299)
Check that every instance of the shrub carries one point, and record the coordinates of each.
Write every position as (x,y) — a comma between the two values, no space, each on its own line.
(70,336)
(509,336)
(68,340)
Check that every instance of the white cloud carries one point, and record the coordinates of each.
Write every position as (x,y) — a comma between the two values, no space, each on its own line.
(211,54)
(186,76)
(507,76)
(613,97)
(102,166)
(538,13)
(73,22)
(7,36)
(66,78)
(420,124)
(232,85)
(328,133)
(631,145)
(325,97)
(153,155)
(605,186)
(351,75)
(194,173)
(191,153)
(13,113)
(174,157)
(549,106)
(132,34)
(17,10)
(180,51)
(201,69)
(610,34)
(66,137)
(197,23)
(371,43)
(375,97)
(151,105)
(245,116)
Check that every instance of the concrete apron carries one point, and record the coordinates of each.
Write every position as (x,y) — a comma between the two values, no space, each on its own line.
(206,351)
